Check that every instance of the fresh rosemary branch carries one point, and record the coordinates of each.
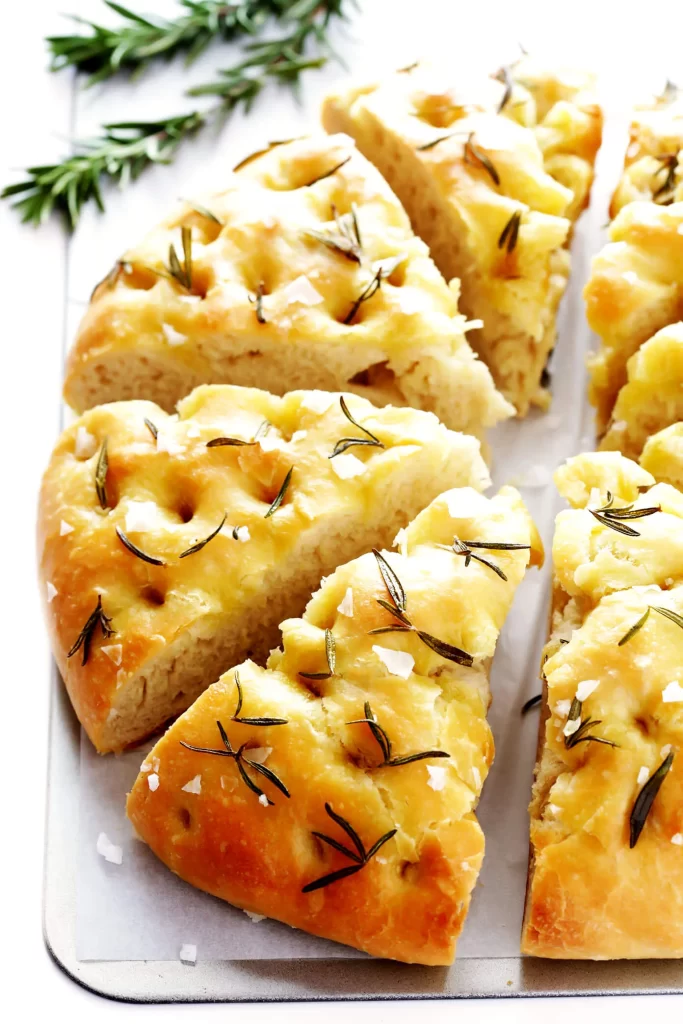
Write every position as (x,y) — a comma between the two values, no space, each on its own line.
(646,798)
(384,743)
(124,149)
(580,734)
(133,44)
(345,443)
(241,759)
(359,857)
(85,637)
(613,517)
(464,547)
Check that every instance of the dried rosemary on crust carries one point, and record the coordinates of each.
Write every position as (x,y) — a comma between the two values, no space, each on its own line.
(581,734)
(330,654)
(464,547)
(359,856)
(646,798)
(384,743)
(614,518)
(637,626)
(87,634)
(251,721)
(241,760)
(101,470)
(279,497)
(343,444)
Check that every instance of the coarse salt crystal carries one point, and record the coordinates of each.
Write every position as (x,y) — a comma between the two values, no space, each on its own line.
(85,444)
(571,726)
(563,707)
(436,777)
(472,325)
(665,751)
(299,435)
(190,298)
(112,854)
(141,516)
(194,431)
(677,839)
(409,301)
(346,605)
(153,781)
(271,443)
(259,754)
(630,277)
(51,591)
(65,528)
(188,953)
(194,785)
(465,503)
(318,401)
(150,765)
(347,466)
(399,663)
(476,775)
(172,336)
(242,534)
(585,688)
(113,651)
(301,290)
(554,809)
(255,917)
(673,693)
(263,800)
(643,775)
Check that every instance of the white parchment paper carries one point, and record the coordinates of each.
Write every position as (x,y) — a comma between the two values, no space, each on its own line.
(139,910)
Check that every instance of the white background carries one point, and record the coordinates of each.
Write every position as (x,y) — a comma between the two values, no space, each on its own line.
(41,270)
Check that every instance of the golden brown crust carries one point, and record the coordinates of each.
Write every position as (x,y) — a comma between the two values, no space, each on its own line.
(180,624)
(145,335)
(535,162)
(590,895)
(409,901)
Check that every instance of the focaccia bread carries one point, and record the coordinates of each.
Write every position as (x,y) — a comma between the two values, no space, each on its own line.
(652,398)
(635,289)
(302,272)
(651,165)
(606,874)
(172,557)
(663,455)
(335,790)
(492,176)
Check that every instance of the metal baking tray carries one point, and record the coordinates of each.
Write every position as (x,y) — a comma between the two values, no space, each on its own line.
(166,981)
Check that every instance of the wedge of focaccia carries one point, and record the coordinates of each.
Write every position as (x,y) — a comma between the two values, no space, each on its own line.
(335,789)
(652,397)
(651,165)
(492,176)
(302,272)
(171,547)
(663,455)
(635,289)
(606,873)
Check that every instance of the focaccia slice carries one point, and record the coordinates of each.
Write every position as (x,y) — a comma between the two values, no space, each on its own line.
(651,165)
(663,455)
(302,272)
(170,547)
(492,175)
(635,289)
(606,873)
(652,398)
(335,790)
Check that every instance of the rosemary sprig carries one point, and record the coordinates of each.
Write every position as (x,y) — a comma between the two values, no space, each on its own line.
(383,272)
(133,44)
(360,857)
(504,75)
(240,759)
(435,142)
(531,703)
(398,609)
(124,149)
(202,543)
(135,550)
(279,497)
(153,429)
(663,194)
(85,637)
(646,798)
(204,212)
(238,442)
(327,174)
(257,300)
(251,721)
(510,233)
(110,280)
(475,156)
(384,743)
(464,547)
(101,471)
(346,240)
(613,517)
(330,654)
(666,612)
(181,272)
(371,440)
(581,734)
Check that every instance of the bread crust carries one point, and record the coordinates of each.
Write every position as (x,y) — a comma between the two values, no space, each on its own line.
(591,896)
(271,294)
(538,158)
(409,902)
(180,624)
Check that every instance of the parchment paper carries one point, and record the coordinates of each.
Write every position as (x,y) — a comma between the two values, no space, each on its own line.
(140,911)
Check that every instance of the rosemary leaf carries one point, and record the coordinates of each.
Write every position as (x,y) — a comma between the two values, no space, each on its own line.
(366,294)
(154,430)
(279,497)
(360,858)
(347,240)
(235,442)
(337,846)
(86,635)
(646,798)
(257,300)
(510,233)
(334,876)
(445,650)
(327,174)
(267,773)
(241,760)
(504,75)
(391,581)
(134,550)
(203,212)
(476,156)
(668,614)
(252,721)
(348,828)
(435,142)
(330,654)
(202,543)
(531,703)
(101,470)
(262,152)
(634,628)
(262,430)
(370,440)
